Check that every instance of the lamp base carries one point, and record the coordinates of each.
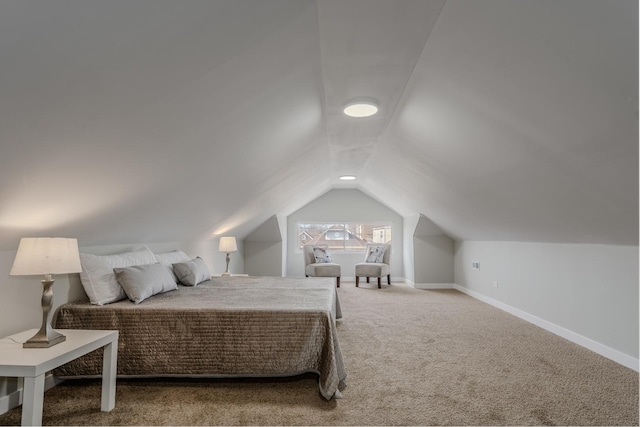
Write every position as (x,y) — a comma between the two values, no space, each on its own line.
(226,272)
(44,340)
(46,336)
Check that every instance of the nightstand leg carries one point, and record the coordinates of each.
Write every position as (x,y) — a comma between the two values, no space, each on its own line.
(109,364)
(32,398)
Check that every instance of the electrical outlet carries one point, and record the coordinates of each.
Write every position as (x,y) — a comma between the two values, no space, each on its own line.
(495,283)
(475,265)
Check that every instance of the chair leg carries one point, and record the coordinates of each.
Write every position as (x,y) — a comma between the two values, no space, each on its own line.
(357,281)
(338,281)
(379,282)
(368,279)
(388,279)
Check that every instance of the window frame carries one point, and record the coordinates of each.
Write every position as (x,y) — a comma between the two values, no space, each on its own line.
(345,225)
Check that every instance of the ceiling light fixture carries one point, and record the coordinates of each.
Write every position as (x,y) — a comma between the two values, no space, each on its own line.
(360,108)
(347,177)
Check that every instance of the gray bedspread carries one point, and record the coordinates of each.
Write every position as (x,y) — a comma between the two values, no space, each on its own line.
(226,327)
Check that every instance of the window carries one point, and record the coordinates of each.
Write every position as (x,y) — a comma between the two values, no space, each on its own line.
(343,237)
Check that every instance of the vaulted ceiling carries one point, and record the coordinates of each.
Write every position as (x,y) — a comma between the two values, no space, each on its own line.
(161,120)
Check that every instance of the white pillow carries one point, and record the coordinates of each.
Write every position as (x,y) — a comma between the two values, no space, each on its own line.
(192,272)
(143,281)
(170,258)
(98,279)
(321,254)
(376,254)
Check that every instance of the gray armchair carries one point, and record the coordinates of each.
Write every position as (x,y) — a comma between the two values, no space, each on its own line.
(377,269)
(319,269)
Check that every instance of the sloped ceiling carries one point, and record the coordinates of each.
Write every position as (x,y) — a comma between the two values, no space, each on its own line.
(160,120)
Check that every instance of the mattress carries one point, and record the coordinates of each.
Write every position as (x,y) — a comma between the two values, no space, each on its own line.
(225,327)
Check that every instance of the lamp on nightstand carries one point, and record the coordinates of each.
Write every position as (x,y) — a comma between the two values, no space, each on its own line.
(46,255)
(227,244)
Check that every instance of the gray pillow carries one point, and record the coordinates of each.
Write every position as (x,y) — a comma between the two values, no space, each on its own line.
(192,272)
(142,281)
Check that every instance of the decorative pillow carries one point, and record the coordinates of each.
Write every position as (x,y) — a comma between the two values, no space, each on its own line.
(143,281)
(375,253)
(321,253)
(98,279)
(170,258)
(192,272)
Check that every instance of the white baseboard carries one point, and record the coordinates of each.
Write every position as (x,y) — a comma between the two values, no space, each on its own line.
(14,398)
(601,349)
(431,285)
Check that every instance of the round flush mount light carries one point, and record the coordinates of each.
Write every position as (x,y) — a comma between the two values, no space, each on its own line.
(360,108)
(347,177)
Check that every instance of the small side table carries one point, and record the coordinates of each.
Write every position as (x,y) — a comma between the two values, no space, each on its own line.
(33,363)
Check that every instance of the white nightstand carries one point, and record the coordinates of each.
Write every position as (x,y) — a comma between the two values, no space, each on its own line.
(34,363)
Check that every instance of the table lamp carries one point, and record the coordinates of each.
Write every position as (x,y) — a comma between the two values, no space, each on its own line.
(227,244)
(46,255)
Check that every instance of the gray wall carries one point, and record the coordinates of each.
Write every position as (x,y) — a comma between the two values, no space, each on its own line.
(263,258)
(433,260)
(432,255)
(349,206)
(263,250)
(587,293)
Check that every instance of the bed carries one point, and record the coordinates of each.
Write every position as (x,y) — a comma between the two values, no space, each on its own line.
(225,327)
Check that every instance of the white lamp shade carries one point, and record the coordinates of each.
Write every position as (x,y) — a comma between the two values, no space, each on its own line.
(46,255)
(227,244)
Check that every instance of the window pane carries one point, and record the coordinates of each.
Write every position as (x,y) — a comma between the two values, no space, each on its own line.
(350,237)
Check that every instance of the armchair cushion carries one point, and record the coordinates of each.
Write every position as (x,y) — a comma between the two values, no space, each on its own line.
(322,269)
(372,269)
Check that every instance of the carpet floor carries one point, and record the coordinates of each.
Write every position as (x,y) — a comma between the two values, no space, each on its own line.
(413,357)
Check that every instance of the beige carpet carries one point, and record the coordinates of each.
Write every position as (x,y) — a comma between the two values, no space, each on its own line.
(413,357)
